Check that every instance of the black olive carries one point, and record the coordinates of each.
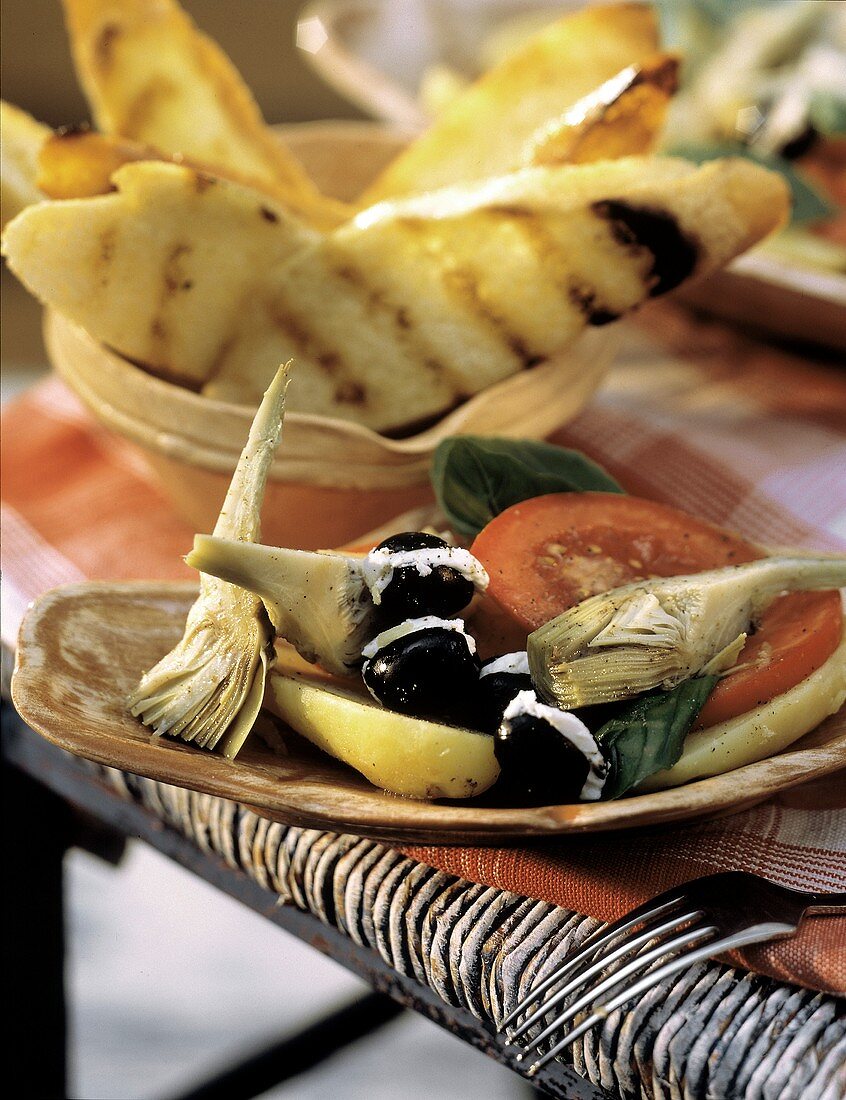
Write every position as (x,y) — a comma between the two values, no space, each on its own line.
(443,592)
(495,692)
(539,765)
(430,673)
(412,540)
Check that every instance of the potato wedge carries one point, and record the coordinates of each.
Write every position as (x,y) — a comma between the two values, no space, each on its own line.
(409,756)
(623,117)
(151,76)
(486,130)
(406,310)
(762,732)
(21,139)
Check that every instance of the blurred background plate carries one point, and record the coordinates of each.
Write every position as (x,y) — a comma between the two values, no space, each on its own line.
(787,300)
(400,60)
(387,56)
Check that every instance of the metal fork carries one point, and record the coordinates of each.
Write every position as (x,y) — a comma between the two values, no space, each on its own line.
(695,921)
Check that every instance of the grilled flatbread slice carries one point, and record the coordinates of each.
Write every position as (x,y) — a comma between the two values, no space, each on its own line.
(406,310)
(151,76)
(80,163)
(485,131)
(621,118)
(75,162)
(21,139)
(158,268)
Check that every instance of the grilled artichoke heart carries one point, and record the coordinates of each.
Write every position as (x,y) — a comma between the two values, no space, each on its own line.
(657,633)
(209,688)
(316,600)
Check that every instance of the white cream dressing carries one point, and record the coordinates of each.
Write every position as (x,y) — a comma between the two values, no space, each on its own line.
(379,565)
(516,663)
(413,626)
(570,727)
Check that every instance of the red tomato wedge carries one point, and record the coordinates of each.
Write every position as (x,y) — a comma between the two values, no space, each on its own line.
(549,553)
(797,634)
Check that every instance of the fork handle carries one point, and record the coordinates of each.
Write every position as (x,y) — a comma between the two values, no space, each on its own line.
(824,903)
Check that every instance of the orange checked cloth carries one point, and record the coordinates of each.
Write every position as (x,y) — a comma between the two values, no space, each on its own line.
(722,427)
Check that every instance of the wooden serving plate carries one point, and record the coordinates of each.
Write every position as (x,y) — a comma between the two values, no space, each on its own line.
(83,647)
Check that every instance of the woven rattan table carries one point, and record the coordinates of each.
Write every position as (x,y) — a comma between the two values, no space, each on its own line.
(457,952)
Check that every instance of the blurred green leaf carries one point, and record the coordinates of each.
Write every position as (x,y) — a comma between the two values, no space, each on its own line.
(827,113)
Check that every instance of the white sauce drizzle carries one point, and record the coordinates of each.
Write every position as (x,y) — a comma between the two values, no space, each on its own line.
(379,565)
(518,663)
(413,626)
(570,727)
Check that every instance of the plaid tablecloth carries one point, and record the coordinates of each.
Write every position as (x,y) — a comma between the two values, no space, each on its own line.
(722,426)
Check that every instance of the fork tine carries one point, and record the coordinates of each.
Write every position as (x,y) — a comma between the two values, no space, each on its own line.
(649,909)
(630,943)
(686,939)
(757,934)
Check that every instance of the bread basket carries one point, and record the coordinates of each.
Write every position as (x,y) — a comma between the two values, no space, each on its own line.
(332,478)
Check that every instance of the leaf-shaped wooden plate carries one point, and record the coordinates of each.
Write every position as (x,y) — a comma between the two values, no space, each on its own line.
(83,647)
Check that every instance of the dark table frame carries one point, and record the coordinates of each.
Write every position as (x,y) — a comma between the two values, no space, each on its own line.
(65,803)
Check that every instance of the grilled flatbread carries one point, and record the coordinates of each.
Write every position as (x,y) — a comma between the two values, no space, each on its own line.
(21,139)
(151,76)
(404,311)
(486,130)
(623,117)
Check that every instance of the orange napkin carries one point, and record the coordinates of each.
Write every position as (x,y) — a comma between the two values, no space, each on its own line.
(732,431)
(797,839)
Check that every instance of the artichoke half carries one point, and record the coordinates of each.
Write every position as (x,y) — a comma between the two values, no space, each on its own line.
(317,600)
(659,632)
(209,688)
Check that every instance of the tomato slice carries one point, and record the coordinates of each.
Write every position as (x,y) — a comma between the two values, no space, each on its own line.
(549,553)
(797,634)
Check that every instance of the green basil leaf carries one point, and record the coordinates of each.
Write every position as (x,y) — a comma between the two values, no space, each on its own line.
(808,204)
(701,28)
(716,13)
(477,477)
(648,734)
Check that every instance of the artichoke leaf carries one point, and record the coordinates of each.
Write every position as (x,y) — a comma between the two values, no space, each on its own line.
(317,601)
(209,688)
(657,633)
